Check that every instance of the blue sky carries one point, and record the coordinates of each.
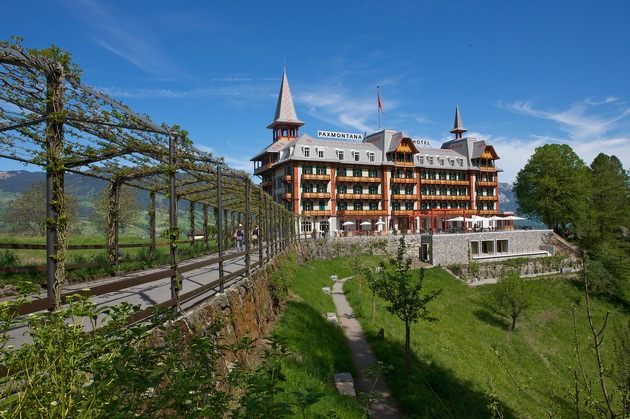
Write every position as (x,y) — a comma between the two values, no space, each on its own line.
(524,73)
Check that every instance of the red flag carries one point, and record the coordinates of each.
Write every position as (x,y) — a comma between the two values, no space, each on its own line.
(380,104)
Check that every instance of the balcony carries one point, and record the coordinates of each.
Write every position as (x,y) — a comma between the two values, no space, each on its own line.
(404,180)
(316,213)
(307,176)
(287,178)
(445,197)
(266,184)
(403,163)
(486,197)
(315,195)
(358,196)
(402,212)
(263,168)
(358,179)
(404,197)
(494,183)
(287,196)
(361,213)
(449,182)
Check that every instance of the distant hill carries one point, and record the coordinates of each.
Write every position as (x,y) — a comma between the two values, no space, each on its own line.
(14,182)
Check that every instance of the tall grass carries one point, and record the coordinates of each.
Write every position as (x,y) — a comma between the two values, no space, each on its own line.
(319,348)
(461,361)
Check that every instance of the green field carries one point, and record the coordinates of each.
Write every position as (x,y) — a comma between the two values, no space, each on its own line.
(455,362)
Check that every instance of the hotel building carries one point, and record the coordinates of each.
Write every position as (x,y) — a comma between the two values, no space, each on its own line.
(383,182)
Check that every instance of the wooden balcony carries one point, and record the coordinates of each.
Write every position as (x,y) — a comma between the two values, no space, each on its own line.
(316,213)
(487,197)
(404,180)
(358,196)
(446,182)
(287,196)
(361,213)
(487,183)
(306,176)
(402,212)
(445,197)
(404,197)
(263,168)
(287,178)
(266,184)
(403,163)
(359,179)
(315,195)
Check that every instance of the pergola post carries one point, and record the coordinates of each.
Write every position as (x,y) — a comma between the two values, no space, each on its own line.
(247,233)
(219,221)
(173,222)
(152,247)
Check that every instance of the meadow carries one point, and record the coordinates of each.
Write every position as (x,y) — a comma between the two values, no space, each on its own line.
(467,363)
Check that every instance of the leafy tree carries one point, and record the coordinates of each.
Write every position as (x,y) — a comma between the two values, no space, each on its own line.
(26,214)
(401,288)
(129,208)
(553,187)
(610,196)
(513,295)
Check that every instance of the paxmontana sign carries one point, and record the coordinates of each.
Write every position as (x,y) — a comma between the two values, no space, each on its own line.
(339,135)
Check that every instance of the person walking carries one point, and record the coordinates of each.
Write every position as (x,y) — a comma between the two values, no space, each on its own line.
(255,234)
(239,235)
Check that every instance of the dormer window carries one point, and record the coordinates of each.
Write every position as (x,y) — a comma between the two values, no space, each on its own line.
(307,151)
(340,154)
(371,156)
(320,152)
(355,155)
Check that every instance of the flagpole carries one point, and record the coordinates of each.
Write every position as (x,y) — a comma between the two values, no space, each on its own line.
(378,106)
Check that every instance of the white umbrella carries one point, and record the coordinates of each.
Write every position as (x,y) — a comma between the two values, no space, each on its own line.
(456,219)
(366,223)
(513,217)
(380,223)
(348,223)
(496,218)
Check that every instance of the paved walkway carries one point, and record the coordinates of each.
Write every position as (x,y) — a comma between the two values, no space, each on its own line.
(383,407)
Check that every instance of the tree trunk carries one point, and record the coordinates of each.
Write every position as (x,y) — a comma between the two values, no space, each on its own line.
(514,317)
(407,347)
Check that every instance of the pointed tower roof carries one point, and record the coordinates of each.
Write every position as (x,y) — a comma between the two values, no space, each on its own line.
(458,128)
(285,111)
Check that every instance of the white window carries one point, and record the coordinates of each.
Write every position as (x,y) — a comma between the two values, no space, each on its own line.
(307,151)
(371,156)
(340,154)
(355,154)
(320,152)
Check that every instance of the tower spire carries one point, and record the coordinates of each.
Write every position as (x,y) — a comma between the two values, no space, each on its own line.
(458,128)
(286,124)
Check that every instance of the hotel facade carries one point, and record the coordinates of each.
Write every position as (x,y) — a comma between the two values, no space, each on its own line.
(377,183)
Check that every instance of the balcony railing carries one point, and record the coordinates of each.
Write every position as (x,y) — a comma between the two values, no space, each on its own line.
(402,212)
(487,197)
(358,179)
(404,197)
(263,168)
(287,178)
(361,213)
(358,196)
(487,183)
(315,195)
(404,180)
(445,197)
(444,182)
(308,176)
(287,196)
(266,184)
(316,213)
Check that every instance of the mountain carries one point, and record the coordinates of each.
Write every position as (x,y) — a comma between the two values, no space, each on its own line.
(507,199)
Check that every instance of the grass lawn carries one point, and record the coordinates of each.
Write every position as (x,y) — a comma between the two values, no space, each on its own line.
(319,348)
(454,363)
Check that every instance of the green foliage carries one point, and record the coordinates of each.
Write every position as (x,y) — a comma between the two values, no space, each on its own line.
(553,187)
(513,295)
(128,209)
(9,259)
(282,272)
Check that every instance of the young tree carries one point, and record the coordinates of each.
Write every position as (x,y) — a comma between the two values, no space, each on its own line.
(26,214)
(401,288)
(513,295)
(128,212)
(553,187)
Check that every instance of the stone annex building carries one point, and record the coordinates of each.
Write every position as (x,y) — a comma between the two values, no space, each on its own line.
(384,183)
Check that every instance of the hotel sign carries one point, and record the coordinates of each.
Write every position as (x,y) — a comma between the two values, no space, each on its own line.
(339,135)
